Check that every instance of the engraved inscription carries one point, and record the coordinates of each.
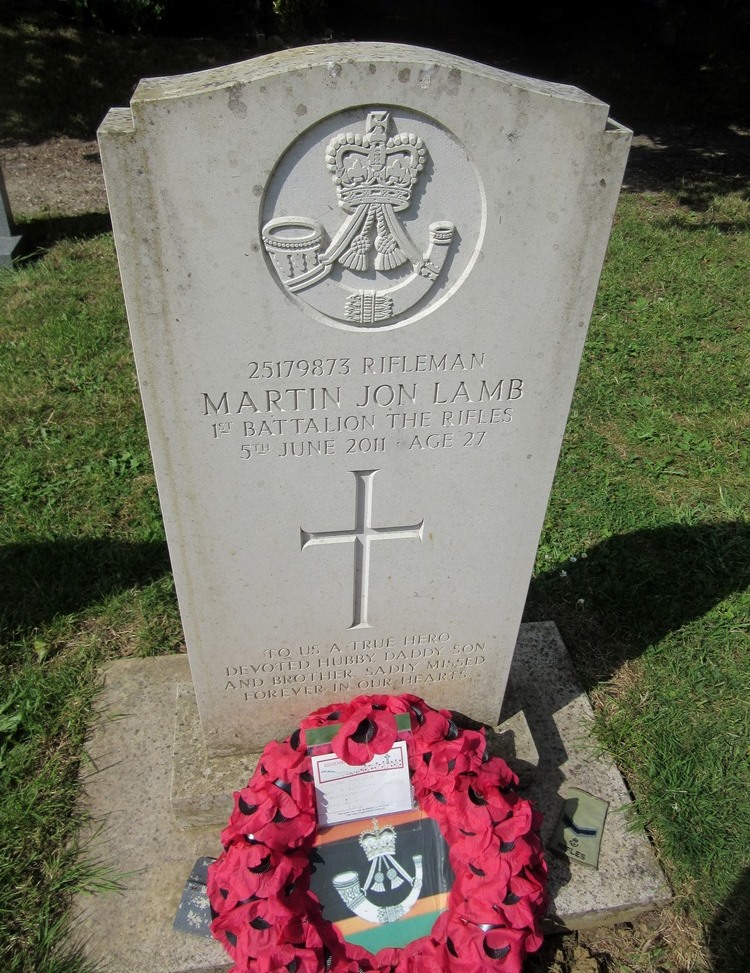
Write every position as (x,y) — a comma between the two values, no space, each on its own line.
(362,537)
(273,418)
(369,365)
(298,366)
(391,663)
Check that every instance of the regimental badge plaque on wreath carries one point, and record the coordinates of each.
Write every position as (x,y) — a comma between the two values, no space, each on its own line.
(382,882)
(380,865)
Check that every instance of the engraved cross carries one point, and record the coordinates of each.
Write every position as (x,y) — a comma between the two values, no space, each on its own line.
(362,537)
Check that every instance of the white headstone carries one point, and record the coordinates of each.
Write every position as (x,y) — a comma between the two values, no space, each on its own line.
(358,279)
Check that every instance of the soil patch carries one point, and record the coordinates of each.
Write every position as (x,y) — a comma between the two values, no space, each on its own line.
(61,177)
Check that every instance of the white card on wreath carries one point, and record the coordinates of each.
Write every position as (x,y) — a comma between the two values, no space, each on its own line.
(345,792)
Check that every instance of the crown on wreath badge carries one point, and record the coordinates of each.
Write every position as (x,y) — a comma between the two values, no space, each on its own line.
(378,842)
(379,845)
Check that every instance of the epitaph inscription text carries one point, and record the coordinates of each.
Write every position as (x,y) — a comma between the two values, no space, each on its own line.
(407,663)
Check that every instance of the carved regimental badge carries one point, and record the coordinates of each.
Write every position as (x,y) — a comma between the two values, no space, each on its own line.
(375,175)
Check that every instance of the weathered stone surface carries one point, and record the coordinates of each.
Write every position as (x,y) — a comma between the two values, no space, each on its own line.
(127,786)
(545,687)
(202,783)
(358,281)
(128,789)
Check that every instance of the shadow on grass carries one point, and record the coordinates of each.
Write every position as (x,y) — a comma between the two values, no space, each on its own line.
(729,935)
(44,232)
(65,78)
(631,590)
(694,165)
(45,579)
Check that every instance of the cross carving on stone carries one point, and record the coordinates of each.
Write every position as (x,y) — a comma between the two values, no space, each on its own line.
(362,537)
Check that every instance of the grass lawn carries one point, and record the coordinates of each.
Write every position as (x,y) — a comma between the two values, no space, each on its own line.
(644,561)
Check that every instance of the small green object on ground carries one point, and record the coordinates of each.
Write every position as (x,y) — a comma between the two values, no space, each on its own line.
(578,835)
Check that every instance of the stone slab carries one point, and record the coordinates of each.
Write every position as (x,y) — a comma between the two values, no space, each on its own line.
(545,687)
(358,292)
(202,783)
(127,783)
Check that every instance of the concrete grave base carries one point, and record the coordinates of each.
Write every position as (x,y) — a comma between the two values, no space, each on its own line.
(158,814)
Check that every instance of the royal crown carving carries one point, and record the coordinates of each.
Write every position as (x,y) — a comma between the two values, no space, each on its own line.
(375,175)
(386,872)
(373,168)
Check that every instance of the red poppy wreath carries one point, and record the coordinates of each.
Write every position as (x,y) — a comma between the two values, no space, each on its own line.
(270,921)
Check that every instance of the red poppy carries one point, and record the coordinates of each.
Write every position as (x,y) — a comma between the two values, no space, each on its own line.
(469,811)
(365,734)
(234,931)
(524,852)
(432,728)
(326,715)
(386,959)
(508,946)
(516,912)
(422,956)
(501,900)
(514,824)
(447,762)
(391,704)
(253,870)
(280,760)
(284,957)
(473,947)
(499,772)
(277,820)
(297,783)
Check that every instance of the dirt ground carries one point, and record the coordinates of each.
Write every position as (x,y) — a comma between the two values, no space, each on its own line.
(61,177)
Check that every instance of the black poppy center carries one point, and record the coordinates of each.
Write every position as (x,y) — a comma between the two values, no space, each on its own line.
(364,732)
